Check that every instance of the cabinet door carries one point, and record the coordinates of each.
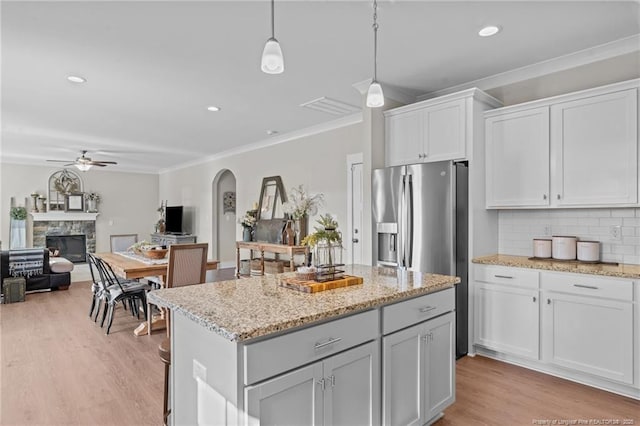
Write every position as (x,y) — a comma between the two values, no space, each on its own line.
(589,334)
(517,158)
(595,147)
(444,131)
(507,319)
(352,381)
(402,372)
(290,399)
(404,142)
(440,391)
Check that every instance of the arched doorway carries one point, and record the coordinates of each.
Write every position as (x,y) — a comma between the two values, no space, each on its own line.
(224,218)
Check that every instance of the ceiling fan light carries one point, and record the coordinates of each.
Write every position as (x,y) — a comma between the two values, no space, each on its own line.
(83,167)
(272,59)
(375,97)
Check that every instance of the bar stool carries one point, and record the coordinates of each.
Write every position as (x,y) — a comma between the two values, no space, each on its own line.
(164,350)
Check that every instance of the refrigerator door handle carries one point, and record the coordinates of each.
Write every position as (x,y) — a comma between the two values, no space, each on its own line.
(409,223)
(401,234)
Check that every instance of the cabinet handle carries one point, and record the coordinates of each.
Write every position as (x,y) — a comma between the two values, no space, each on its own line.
(331,341)
(427,309)
(544,196)
(559,196)
(322,383)
(586,286)
(504,276)
(548,301)
(534,299)
(332,378)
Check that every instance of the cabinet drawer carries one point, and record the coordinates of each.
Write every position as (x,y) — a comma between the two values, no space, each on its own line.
(413,311)
(273,356)
(505,275)
(588,285)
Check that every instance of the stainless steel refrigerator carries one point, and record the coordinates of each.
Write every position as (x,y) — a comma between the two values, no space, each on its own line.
(420,217)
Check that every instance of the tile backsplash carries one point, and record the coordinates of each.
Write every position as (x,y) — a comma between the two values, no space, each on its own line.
(518,228)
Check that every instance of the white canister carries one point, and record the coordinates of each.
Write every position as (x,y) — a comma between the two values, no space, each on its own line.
(541,248)
(589,251)
(563,247)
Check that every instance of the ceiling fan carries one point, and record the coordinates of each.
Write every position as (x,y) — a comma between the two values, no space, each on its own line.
(83,162)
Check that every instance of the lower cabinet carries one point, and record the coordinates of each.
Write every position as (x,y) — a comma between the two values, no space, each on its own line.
(340,390)
(419,371)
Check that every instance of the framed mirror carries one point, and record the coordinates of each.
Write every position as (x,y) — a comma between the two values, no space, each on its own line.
(272,196)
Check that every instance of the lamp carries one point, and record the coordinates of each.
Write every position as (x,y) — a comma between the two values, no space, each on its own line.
(375,97)
(83,167)
(272,59)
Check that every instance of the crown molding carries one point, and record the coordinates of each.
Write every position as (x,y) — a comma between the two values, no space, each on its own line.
(582,57)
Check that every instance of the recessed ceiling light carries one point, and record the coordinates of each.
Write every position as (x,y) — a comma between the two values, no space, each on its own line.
(489,30)
(213,108)
(272,132)
(76,79)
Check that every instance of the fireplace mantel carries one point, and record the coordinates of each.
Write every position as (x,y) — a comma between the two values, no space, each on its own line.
(64,216)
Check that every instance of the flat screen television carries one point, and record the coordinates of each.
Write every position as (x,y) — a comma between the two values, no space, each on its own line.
(173,218)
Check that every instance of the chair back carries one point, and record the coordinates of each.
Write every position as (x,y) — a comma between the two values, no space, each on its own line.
(122,242)
(93,269)
(187,264)
(107,277)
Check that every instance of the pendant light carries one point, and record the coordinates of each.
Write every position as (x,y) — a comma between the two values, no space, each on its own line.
(272,59)
(375,97)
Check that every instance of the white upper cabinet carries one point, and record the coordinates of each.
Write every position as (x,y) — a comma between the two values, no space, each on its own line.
(596,151)
(518,164)
(432,130)
(576,150)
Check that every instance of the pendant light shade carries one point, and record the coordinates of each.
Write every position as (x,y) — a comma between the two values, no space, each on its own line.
(83,167)
(375,97)
(272,58)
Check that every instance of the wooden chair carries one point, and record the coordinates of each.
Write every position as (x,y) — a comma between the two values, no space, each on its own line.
(121,242)
(187,266)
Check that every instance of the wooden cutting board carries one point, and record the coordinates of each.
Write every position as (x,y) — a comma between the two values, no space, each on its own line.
(309,286)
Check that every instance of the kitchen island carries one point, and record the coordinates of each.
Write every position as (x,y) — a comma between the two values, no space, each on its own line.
(250,352)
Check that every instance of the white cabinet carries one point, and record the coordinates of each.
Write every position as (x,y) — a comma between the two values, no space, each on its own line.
(507,310)
(433,130)
(419,371)
(341,390)
(587,325)
(518,158)
(575,150)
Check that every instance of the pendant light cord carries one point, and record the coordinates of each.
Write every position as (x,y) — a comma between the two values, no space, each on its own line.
(375,40)
(272,20)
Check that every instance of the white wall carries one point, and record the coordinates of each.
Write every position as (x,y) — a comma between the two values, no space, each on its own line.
(317,161)
(517,228)
(128,206)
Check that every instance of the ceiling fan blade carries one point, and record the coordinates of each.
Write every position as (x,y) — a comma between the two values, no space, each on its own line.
(59,161)
(105,162)
(93,163)
(100,163)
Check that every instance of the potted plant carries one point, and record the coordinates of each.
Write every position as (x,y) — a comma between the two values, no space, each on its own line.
(248,222)
(326,241)
(299,207)
(18,228)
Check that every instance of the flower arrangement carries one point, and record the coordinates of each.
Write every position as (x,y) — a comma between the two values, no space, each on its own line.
(249,219)
(93,196)
(301,203)
(18,213)
(326,232)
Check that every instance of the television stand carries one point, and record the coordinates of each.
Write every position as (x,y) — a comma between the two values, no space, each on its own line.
(168,239)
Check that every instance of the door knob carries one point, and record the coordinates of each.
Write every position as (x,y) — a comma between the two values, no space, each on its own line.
(355,240)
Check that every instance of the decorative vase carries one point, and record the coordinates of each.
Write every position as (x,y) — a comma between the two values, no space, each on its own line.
(92,206)
(18,234)
(42,206)
(288,236)
(301,228)
(246,234)
(34,206)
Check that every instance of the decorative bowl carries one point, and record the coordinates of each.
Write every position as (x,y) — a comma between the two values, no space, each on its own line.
(155,254)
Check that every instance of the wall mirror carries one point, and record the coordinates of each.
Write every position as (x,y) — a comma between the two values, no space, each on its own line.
(272,196)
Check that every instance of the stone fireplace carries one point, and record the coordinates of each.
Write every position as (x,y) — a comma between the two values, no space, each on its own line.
(77,227)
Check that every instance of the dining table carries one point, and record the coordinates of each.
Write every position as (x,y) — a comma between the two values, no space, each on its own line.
(131,266)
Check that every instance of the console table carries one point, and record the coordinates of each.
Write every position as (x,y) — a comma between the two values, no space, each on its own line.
(168,239)
(263,247)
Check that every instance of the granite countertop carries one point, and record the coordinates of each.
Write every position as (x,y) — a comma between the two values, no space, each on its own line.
(621,270)
(253,307)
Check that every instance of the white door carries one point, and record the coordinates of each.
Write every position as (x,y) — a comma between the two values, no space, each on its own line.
(507,319)
(444,130)
(290,399)
(589,334)
(440,378)
(352,387)
(596,149)
(356,201)
(402,372)
(404,138)
(518,158)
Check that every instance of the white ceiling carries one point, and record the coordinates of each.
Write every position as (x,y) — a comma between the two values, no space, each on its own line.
(152,68)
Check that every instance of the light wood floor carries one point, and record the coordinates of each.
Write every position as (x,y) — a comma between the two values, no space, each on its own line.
(57,367)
